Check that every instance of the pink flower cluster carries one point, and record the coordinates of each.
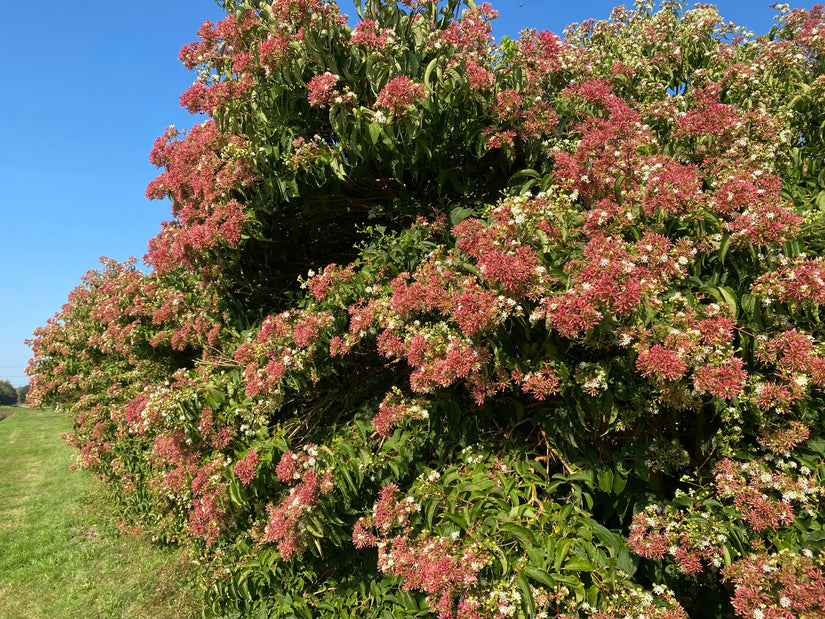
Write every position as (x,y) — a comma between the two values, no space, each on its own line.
(443,567)
(519,115)
(399,94)
(200,98)
(321,284)
(688,539)
(802,281)
(672,188)
(746,196)
(321,89)
(206,518)
(367,33)
(541,383)
(543,55)
(499,139)
(199,171)
(700,339)
(784,585)
(238,48)
(394,409)
(439,566)
(273,52)
(304,12)
(528,113)
(763,492)
(783,439)
(763,496)
(614,276)
(474,308)
(470,35)
(285,526)
(245,469)
(285,342)
(223,47)
(505,252)
(796,361)
(808,27)
(608,146)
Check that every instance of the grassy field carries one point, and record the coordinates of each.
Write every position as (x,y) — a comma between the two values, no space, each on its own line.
(58,556)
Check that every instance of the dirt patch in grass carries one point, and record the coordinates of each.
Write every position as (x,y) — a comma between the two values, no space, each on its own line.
(10,518)
(84,532)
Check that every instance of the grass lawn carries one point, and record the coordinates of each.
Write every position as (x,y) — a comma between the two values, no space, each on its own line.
(58,556)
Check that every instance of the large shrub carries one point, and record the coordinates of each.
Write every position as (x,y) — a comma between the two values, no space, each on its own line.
(445,328)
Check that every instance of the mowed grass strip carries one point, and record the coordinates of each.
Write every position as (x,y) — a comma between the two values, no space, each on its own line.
(58,556)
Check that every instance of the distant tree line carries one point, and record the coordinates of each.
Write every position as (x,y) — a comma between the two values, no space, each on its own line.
(10,395)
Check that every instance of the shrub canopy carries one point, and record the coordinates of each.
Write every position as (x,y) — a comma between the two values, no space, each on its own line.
(447,328)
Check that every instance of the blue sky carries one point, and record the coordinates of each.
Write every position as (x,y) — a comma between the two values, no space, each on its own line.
(91,86)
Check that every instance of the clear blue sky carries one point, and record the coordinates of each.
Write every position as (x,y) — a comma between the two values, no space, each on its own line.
(89,87)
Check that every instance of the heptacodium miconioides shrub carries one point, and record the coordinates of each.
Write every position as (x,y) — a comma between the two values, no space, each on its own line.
(447,328)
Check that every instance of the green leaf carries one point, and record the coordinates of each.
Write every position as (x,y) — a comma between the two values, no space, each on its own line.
(461,521)
(606,480)
(820,200)
(539,576)
(562,551)
(526,594)
(522,534)
(626,562)
(428,73)
(215,398)
(723,295)
(617,189)
(619,480)
(235,492)
(459,214)
(723,248)
(578,564)
(375,131)
(748,304)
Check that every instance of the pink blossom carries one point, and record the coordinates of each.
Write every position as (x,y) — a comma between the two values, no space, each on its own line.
(245,469)
(321,89)
(367,33)
(661,362)
(784,585)
(400,93)
(724,381)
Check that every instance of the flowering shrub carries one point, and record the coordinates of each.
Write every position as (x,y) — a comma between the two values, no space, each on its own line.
(442,328)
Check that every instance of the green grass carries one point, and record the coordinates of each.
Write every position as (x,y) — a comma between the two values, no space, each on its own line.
(58,556)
